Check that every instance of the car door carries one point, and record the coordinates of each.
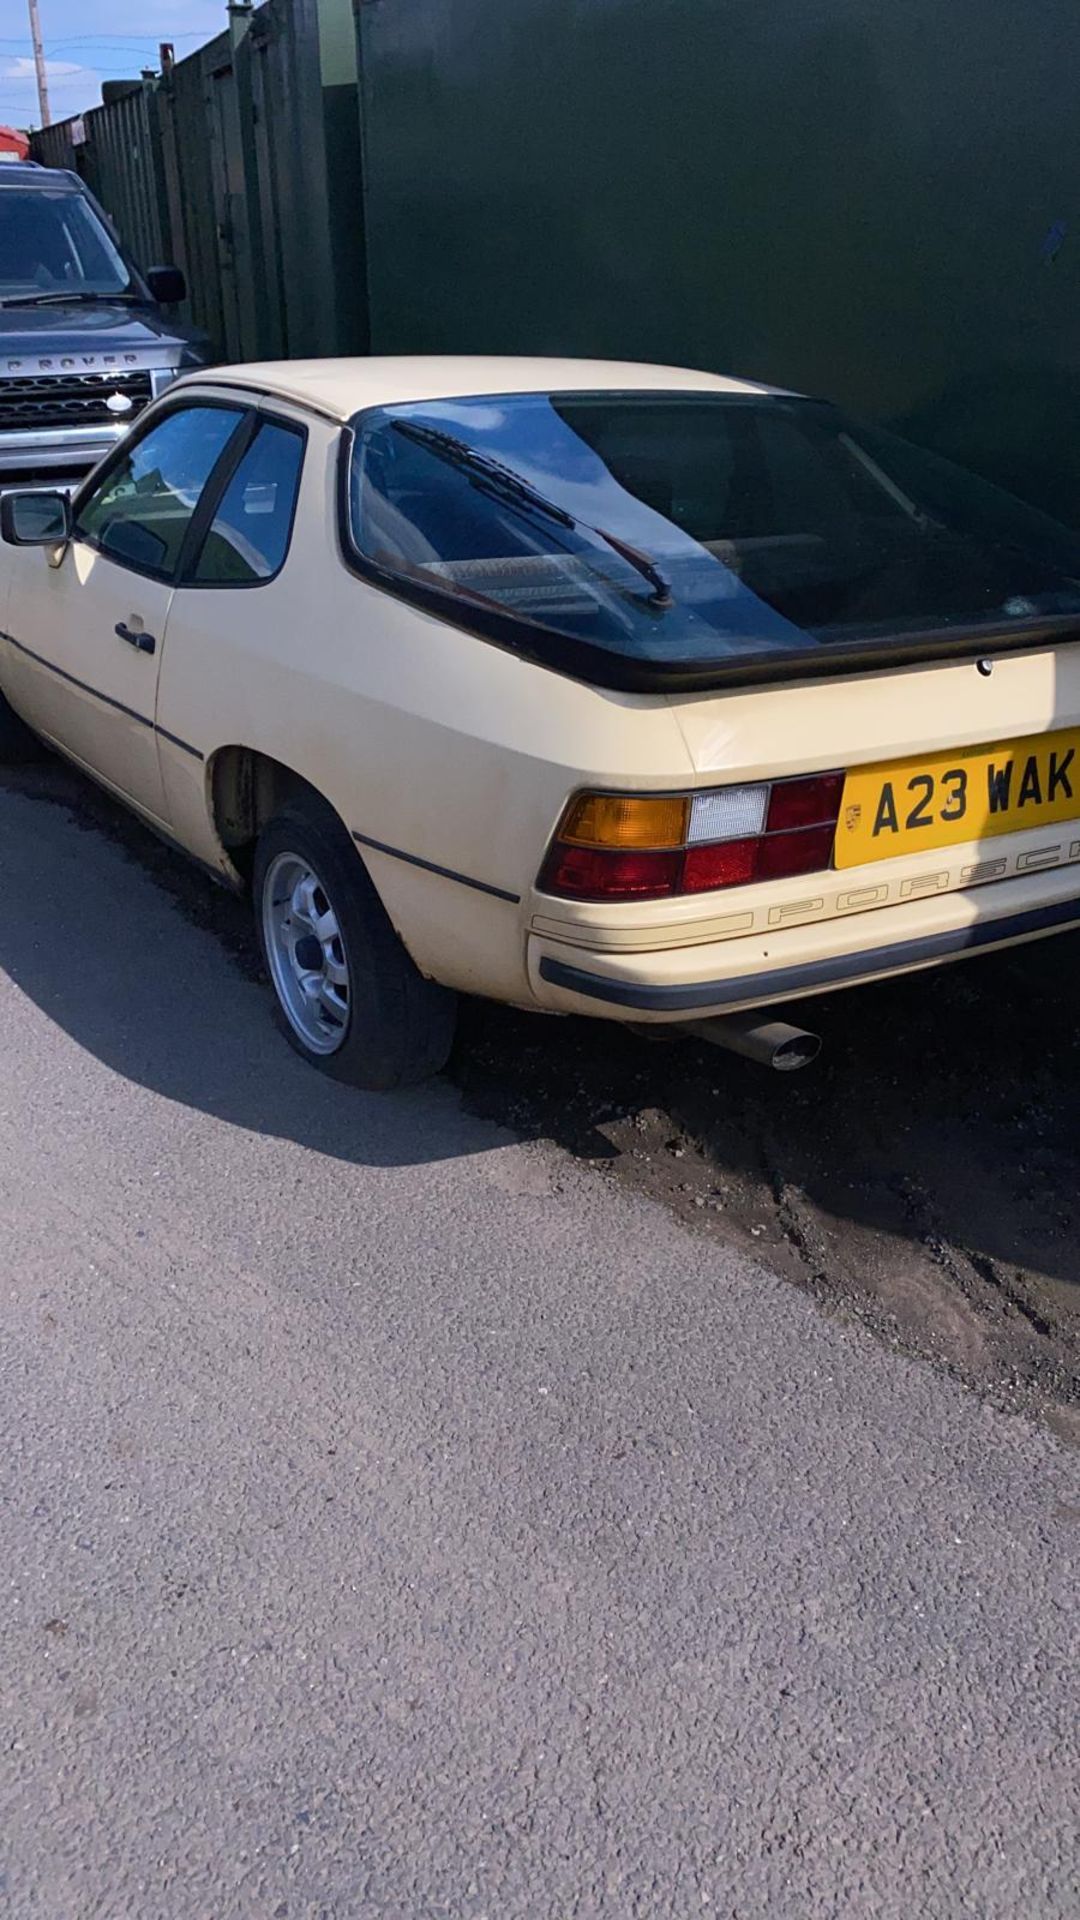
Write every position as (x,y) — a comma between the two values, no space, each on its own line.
(88,627)
(232,652)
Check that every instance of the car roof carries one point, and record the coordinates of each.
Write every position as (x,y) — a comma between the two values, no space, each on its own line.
(341,388)
(27,173)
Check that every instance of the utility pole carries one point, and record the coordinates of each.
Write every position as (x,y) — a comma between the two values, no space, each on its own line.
(39,66)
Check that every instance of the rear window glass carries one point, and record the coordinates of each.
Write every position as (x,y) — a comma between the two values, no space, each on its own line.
(683,532)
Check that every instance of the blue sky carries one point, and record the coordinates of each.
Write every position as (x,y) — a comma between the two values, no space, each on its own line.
(88,41)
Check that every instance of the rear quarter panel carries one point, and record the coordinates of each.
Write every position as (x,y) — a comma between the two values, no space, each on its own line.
(421,737)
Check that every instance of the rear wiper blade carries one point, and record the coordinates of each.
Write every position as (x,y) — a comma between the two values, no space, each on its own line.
(648,569)
(67,299)
(484,468)
(491,476)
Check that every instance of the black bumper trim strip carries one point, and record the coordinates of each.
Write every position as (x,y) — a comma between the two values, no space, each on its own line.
(815,973)
(445,873)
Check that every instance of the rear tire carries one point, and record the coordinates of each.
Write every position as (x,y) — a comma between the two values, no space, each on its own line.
(17,744)
(347,995)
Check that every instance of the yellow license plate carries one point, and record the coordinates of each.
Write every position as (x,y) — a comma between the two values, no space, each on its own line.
(942,799)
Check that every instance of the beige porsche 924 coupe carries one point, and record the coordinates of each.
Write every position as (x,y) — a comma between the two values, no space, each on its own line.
(599,689)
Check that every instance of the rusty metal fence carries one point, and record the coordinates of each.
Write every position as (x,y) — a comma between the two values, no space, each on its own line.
(241,164)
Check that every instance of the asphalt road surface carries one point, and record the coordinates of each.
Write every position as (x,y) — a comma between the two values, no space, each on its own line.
(400,1520)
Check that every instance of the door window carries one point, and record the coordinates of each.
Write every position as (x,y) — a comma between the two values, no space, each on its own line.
(249,537)
(141,512)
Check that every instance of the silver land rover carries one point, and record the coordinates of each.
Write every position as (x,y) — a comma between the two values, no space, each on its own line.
(84,340)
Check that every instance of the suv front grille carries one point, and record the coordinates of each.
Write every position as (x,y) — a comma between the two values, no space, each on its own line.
(71,399)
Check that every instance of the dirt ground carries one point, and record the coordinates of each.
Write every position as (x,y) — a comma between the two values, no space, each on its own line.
(921,1177)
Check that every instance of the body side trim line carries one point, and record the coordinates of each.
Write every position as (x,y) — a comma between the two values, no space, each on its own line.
(175,740)
(445,873)
(62,674)
(105,698)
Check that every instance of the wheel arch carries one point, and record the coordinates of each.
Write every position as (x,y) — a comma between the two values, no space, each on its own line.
(245,789)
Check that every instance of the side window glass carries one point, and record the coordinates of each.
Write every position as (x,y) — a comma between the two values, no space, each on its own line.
(141,512)
(250,533)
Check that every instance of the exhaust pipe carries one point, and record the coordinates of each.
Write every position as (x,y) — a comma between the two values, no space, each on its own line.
(772,1042)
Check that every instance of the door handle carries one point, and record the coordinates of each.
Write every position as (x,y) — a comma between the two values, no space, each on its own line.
(142,642)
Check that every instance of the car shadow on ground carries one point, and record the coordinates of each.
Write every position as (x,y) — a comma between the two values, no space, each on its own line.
(922,1176)
(190,1020)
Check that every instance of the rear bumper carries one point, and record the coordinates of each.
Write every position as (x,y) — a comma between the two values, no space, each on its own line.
(699,981)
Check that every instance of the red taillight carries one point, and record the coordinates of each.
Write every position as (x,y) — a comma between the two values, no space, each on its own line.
(791,827)
(734,863)
(728,863)
(805,803)
(603,873)
(807,850)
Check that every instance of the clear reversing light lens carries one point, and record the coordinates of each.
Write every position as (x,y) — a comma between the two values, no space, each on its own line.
(731,813)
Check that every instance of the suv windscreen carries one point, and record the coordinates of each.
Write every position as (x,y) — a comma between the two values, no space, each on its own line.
(680,532)
(52,242)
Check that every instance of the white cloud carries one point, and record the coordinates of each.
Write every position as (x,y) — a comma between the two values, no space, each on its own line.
(24,69)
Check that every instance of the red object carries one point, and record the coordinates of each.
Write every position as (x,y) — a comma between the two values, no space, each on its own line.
(800,824)
(726,863)
(601,873)
(805,803)
(783,854)
(11,141)
(776,856)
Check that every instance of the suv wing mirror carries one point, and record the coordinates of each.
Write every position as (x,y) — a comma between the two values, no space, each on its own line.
(167,284)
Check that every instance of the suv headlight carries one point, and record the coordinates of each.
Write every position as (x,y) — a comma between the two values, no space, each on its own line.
(162,377)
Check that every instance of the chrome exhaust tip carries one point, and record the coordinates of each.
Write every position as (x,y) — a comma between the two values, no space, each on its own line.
(773,1043)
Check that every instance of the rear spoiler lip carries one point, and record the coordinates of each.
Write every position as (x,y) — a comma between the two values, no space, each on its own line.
(882,654)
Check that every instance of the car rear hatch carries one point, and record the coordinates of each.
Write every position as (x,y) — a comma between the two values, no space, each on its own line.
(954,774)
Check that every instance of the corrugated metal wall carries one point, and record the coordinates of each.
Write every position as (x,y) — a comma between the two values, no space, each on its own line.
(127,175)
(859,200)
(53,146)
(189,169)
(225,166)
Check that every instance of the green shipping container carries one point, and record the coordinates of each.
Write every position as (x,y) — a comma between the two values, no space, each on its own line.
(877,203)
